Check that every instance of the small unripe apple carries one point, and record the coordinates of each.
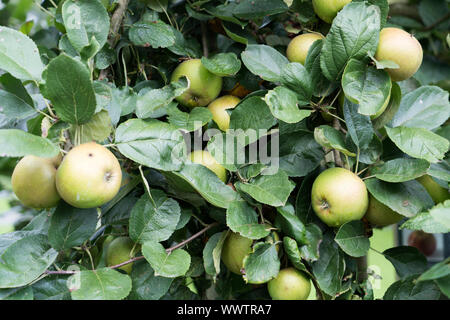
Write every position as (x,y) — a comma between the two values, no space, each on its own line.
(205,158)
(339,196)
(219,109)
(119,251)
(424,242)
(380,215)
(402,48)
(297,50)
(328,9)
(289,284)
(204,86)
(437,193)
(89,176)
(33,181)
(234,250)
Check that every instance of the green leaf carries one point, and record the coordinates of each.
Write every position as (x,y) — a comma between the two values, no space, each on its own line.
(283,105)
(152,143)
(51,288)
(15,87)
(222,64)
(19,55)
(426,107)
(169,265)
(291,248)
(431,221)
(212,253)
(410,289)
(320,84)
(190,122)
(406,260)
(242,218)
(252,113)
(366,86)
(25,144)
(352,239)
(264,61)
(354,33)
(14,108)
(248,9)
(295,77)
(329,137)
(97,129)
(290,224)
(359,126)
(400,170)
(23,293)
(438,271)
(156,34)
(69,88)
(419,143)
(100,284)
(85,20)
(440,170)
(25,260)
(391,109)
(147,286)
(70,227)
(262,264)
(154,222)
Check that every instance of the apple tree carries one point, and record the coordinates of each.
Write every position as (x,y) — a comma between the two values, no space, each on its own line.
(158,149)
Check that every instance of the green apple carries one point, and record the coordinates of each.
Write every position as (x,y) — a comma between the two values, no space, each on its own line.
(328,9)
(205,158)
(119,251)
(437,193)
(219,109)
(380,215)
(33,181)
(289,284)
(204,86)
(234,250)
(88,176)
(402,48)
(297,50)
(339,196)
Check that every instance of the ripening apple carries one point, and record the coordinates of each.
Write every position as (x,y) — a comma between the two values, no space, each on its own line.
(234,250)
(402,48)
(204,86)
(297,50)
(289,284)
(219,109)
(380,215)
(89,176)
(119,251)
(33,181)
(437,193)
(328,9)
(424,242)
(339,196)
(205,158)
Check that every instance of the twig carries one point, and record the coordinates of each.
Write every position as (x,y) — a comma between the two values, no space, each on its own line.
(337,156)
(204,40)
(436,23)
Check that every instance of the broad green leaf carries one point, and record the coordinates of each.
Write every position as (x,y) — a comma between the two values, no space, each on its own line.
(410,289)
(310,251)
(100,284)
(359,126)
(147,286)
(284,106)
(248,9)
(391,109)
(51,288)
(14,108)
(320,84)
(69,88)
(15,87)
(295,77)
(406,260)
(252,113)
(212,253)
(369,155)
(19,55)
(352,239)
(419,143)
(191,121)
(400,170)
(428,221)
(156,34)
(440,170)
(329,137)
(262,264)
(24,293)
(169,265)
(264,61)
(152,143)
(291,248)
(222,64)
(157,5)
(290,224)
(242,218)
(25,144)
(97,129)
(185,47)
(438,271)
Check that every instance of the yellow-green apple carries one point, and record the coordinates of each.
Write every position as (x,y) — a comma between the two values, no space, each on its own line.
(204,86)
(205,158)
(380,215)
(88,176)
(121,249)
(289,284)
(437,193)
(33,181)
(328,9)
(219,109)
(297,49)
(234,250)
(402,48)
(339,196)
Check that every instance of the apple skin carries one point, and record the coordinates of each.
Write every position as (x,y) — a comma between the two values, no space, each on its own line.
(289,284)
(33,181)
(118,251)
(380,215)
(205,158)
(401,47)
(234,250)
(339,196)
(437,193)
(424,242)
(88,176)
(328,9)
(218,109)
(297,50)
(204,86)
